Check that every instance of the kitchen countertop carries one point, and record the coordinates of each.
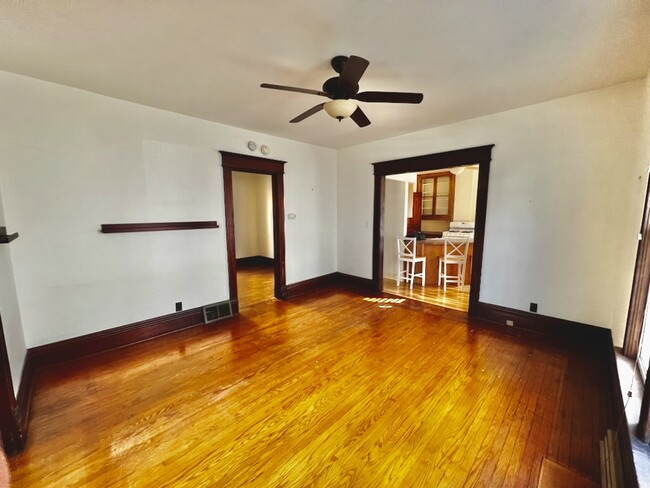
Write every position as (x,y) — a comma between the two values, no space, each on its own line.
(437,240)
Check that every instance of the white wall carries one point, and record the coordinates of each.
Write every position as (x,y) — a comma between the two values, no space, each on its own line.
(565,200)
(394,223)
(9,309)
(72,160)
(253,209)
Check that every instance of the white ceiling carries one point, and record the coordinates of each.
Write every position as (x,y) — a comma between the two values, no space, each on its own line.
(207,58)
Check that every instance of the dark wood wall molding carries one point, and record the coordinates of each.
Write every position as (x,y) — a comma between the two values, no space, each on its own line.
(7,238)
(252,164)
(158,226)
(481,155)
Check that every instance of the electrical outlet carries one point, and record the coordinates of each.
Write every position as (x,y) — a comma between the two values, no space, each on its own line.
(179,306)
(533,307)
(510,323)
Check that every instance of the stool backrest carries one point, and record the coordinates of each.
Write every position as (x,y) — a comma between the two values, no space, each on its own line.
(456,248)
(406,247)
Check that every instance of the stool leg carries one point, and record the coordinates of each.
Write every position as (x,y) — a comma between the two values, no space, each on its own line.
(424,271)
(444,278)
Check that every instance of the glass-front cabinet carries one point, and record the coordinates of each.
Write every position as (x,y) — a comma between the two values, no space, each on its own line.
(437,195)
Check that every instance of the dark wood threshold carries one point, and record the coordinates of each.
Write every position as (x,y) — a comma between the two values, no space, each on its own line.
(158,226)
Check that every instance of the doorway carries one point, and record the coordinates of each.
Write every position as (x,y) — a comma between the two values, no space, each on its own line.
(232,162)
(481,155)
(253,212)
(431,206)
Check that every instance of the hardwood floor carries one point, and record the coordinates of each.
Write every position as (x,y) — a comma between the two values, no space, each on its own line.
(254,282)
(454,298)
(328,389)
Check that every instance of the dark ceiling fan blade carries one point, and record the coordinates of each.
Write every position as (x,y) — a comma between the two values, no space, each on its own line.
(308,113)
(389,97)
(360,118)
(353,71)
(293,89)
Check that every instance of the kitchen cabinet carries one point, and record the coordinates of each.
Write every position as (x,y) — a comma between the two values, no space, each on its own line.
(437,191)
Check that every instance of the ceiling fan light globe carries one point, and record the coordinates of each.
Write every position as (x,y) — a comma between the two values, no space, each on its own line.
(340,109)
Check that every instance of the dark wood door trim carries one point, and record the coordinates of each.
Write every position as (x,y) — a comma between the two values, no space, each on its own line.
(13,435)
(481,155)
(251,164)
(640,285)
(637,310)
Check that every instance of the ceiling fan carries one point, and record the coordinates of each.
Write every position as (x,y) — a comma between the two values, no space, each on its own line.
(344,89)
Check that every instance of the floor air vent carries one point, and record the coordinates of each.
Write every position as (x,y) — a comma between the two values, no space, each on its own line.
(217,311)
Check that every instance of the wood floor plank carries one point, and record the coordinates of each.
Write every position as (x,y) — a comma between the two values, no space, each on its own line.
(325,390)
(455,298)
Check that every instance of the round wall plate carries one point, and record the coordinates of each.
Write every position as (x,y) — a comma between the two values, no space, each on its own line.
(265,149)
(252,146)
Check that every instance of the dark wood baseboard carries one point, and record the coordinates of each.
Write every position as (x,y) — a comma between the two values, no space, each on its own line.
(107,340)
(306,286)
(330,279)
(542,324)
(355,282)
(255,261)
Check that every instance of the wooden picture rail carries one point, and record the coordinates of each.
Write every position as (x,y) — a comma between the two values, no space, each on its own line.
(7,238)
(158,226)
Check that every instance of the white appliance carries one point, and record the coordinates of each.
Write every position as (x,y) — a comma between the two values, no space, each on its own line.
(460,229)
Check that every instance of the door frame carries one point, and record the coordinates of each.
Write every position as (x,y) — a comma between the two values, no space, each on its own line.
(640,285)
(252,164)
(636,313)
(481,155)
(12,428)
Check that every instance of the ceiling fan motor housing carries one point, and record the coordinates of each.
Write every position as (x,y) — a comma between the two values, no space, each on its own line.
(337,91)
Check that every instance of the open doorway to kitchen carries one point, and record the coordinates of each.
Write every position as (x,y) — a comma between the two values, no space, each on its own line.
(480,156)
(431,206)
(239,163)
